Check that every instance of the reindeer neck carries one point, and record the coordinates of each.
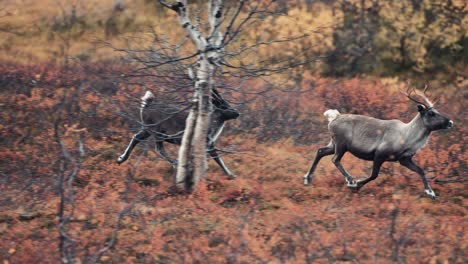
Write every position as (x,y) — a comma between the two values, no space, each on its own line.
(416,133)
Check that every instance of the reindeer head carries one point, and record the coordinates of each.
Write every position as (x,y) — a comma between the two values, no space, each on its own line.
(222,107)
(432,119)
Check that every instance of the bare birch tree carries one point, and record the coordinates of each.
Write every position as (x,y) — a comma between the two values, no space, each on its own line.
(192,157)
(218,54)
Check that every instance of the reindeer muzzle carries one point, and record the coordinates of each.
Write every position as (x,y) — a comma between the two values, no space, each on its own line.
(450,124)
(230,113)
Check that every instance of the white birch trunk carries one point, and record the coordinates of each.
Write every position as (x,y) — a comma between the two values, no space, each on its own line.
(206,83)
(192,163)
(203,120)
(184,169)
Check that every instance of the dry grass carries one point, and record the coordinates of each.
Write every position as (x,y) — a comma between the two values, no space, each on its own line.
(36,31)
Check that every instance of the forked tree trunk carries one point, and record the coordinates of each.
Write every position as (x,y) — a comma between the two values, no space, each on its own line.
(192,163)
(192,153)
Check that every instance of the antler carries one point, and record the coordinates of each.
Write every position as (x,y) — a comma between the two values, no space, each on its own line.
(427,103)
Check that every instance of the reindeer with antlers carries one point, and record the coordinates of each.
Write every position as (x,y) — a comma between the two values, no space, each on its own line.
(169,125)
(379,140)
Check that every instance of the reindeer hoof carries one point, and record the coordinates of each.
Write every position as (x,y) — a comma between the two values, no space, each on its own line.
(354,189)
(354,186)
(430,193)
(120,160)
(231,176)
(307,181)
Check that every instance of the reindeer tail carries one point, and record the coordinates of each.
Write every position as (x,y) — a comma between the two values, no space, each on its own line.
(147,99)
(331,114)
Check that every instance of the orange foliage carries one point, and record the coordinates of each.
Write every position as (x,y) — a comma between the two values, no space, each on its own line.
(264,215)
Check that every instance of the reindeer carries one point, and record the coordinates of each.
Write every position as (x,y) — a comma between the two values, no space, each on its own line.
(381,140)
(168,125)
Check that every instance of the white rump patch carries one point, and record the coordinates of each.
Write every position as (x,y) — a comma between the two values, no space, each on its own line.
(146,98)
(331,114)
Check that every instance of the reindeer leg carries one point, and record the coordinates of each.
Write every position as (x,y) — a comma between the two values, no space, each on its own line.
(140,136)
(217,158)
(321,152)
(160,148)
(336,160)
(375,172)
(408,163)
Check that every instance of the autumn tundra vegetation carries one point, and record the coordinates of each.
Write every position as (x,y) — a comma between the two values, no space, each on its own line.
(72,78)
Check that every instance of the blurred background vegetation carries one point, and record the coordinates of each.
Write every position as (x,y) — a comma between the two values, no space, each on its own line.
(418,39)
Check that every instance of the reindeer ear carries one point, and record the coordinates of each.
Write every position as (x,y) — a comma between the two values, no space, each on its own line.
(421,107)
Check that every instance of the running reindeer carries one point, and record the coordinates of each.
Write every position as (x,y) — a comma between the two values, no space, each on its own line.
(168,125)
(381,140)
